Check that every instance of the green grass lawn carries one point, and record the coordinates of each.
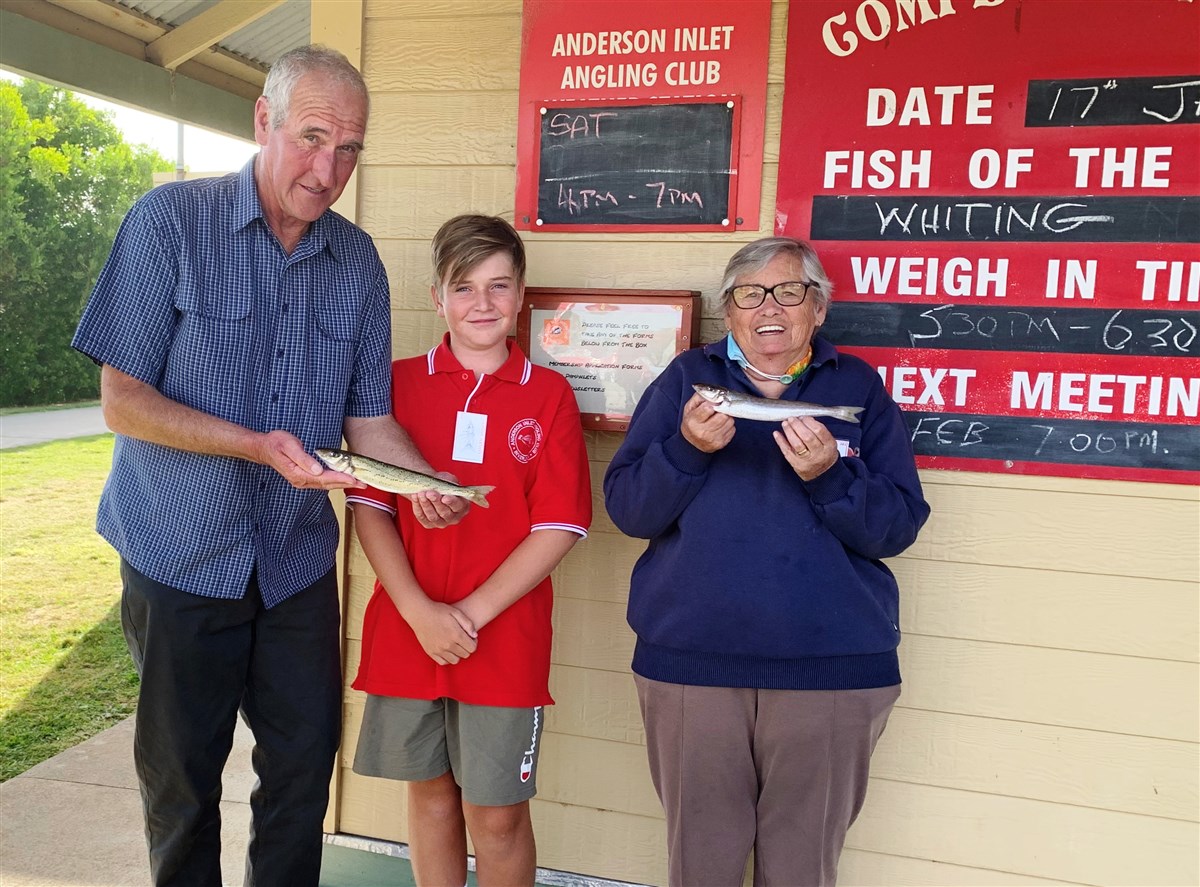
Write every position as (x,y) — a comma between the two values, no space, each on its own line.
(65,674)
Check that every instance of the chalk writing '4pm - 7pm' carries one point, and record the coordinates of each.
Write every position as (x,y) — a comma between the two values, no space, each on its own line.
(575,201)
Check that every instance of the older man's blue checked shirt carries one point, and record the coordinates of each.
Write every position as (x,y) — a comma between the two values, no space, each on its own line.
(199,300)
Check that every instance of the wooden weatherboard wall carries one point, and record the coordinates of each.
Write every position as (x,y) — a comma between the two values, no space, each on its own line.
(1047,732)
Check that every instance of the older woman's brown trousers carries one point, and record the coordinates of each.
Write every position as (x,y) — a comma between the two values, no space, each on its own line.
(782,772)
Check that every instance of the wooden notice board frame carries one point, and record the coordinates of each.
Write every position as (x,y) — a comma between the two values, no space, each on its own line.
(609,344)
(617,178)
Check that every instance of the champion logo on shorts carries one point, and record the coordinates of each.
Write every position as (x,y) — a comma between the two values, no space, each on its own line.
(527,760)
(525,439)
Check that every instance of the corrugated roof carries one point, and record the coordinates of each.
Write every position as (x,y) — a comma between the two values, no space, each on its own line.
(274,34)
(261,42)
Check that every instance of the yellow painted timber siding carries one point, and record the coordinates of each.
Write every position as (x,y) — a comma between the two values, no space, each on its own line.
(865,867)
(1047,732)
(338,24)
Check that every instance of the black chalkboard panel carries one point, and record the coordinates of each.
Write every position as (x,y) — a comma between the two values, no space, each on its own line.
(1070,441)
(995,326)
(1114,101)
(659,165)
(1000,219)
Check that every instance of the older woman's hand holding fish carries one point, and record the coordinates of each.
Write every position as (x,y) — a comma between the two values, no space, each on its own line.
(705,428)
(807,445)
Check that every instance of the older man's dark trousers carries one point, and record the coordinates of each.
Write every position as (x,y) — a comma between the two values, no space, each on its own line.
(201,660)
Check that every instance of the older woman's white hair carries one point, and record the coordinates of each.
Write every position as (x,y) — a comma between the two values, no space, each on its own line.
(755,256)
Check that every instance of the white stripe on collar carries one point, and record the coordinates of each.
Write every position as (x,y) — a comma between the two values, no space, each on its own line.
(526,367)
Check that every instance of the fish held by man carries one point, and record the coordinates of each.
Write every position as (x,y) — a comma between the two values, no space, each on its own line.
(766,409)
(394,479)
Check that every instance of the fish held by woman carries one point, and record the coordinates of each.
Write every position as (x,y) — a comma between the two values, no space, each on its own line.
(766,409)
(394,479)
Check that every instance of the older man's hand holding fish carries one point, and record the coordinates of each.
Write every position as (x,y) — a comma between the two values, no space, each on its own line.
(394,479)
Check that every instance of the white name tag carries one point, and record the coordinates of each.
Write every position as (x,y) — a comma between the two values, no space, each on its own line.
(469,432)
(843,447)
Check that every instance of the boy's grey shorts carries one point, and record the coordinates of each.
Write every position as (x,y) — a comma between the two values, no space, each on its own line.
(492,751)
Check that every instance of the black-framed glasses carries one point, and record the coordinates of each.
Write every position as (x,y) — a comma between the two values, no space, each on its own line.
(789,294)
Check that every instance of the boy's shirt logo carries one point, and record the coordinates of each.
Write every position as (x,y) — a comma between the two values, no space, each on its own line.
(525,440)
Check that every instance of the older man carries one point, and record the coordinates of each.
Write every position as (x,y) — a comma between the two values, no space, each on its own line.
(240,325)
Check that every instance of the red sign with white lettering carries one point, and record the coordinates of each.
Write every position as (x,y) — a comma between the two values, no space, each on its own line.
(641,116)
(1006,196)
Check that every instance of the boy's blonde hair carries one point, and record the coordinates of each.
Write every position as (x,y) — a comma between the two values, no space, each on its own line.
(466,240)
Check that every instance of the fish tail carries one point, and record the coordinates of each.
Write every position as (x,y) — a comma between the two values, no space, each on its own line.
(849,414)
(478,495)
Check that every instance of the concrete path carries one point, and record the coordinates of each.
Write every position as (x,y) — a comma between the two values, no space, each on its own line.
(76,819)
(24,429)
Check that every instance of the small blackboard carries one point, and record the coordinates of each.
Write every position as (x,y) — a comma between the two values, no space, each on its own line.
(638,166)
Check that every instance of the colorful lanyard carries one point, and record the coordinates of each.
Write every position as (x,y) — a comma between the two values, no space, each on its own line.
(794,372)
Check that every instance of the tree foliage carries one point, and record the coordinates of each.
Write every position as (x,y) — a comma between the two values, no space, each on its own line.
(67,177)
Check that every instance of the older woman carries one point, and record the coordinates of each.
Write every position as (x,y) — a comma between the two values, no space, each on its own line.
(766,622)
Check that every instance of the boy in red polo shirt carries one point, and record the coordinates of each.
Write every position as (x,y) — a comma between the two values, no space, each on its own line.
(456,638)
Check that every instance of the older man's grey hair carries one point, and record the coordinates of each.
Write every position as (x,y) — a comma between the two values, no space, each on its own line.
(756,255)
(295,64)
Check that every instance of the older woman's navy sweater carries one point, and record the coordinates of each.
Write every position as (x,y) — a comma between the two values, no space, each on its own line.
(754,577)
